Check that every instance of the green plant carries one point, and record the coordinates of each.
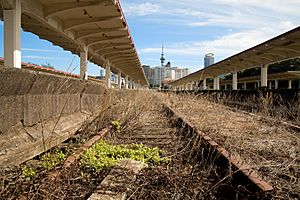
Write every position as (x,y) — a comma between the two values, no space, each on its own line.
(103,155)
(116,125)
(28,172)
(52,159)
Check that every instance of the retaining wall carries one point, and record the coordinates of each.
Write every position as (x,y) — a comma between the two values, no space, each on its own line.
(35,105)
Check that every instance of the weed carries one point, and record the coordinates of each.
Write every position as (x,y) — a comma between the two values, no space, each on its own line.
(116,125)
(28,172)
(103,155)
(51,160)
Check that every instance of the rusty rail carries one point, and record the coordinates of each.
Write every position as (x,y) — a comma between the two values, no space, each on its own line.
(257,183)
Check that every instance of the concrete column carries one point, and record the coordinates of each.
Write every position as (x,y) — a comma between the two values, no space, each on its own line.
(120,80)
(225,87)
(126,82)
(191,86)
(234,80)
(270,85)
(108,75)
(12,35)
(204,84)
(83,64)
(264,76)
(290,84)
(258,84)
(276,84)
(245,86)
(217,83)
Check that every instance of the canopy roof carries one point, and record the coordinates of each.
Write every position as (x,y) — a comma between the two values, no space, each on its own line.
(99,25)
(280,48)
(289,75)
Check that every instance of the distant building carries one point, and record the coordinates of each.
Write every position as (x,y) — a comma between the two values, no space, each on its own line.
(209,59)
(160,76)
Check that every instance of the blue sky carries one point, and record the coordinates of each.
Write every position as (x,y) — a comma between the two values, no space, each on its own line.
(188,28)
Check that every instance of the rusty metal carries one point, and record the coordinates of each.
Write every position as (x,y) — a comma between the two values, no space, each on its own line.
(233,160)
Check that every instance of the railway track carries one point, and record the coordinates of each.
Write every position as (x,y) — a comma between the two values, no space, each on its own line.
(198,168)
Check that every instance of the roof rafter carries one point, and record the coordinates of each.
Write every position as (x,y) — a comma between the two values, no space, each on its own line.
(69,6)
(76,23)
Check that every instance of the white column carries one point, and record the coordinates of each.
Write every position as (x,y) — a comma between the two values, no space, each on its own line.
(270,85)
(12,35)
(126,82)
(120,80)
(258,84)
(83,64)
(264,76)
(234,80)
(225,86)
(108,75)
(191,86)
(204,84)
(276,84)
(245,86)
(217,83)
(290,84)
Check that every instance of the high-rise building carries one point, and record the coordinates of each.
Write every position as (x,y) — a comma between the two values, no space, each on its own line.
(209,59)
(160,76)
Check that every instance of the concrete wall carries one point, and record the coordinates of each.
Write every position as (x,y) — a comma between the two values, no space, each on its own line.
(28,97)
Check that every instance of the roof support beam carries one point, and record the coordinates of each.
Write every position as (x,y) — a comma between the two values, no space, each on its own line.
(97,32)
(117,51)
(107,40)
(64,7)
(111,46)
(76,23)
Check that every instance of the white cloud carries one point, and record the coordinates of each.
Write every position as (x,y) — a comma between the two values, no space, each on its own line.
(141,9)
(43,50)
(44,57)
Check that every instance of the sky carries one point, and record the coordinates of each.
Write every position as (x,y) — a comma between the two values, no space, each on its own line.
(188,29)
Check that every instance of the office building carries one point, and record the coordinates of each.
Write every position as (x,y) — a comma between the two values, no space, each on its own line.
(209,59)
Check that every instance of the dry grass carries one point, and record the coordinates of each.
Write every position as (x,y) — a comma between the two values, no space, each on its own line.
(270,149)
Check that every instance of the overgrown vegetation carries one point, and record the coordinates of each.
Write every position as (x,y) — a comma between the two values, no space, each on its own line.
(103,155)
(268,147)
(52,159)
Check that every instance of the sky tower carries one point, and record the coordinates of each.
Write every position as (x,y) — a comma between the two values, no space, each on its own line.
(162,59)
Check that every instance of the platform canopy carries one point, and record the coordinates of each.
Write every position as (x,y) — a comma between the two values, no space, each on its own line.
(289,75)
(75,25)
(282,47)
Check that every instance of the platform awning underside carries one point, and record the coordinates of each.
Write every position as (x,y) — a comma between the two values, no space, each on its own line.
(73,24)
(283,47)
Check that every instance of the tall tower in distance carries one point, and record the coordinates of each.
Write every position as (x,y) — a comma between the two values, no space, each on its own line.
(209,59)
(162,58)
